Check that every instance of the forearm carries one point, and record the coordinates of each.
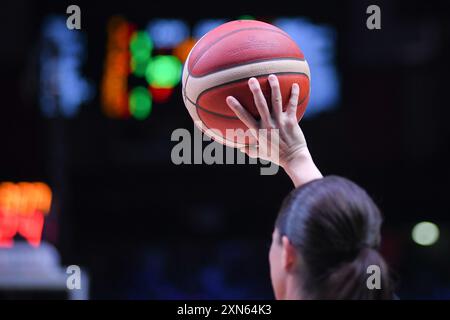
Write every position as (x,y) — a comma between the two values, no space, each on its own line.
(301,168)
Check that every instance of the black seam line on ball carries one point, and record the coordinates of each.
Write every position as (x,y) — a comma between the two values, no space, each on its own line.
(235,81)
(211,112)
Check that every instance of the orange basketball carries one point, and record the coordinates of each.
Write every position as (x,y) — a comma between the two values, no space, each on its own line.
(222,61)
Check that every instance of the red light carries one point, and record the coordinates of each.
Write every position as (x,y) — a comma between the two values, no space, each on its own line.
(8,228)
(30,227)
(161,95)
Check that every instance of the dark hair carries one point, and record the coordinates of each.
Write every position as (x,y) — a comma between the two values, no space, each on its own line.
(335,226)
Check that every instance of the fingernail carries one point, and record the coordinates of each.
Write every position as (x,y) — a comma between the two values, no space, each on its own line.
(272,77)
(253,83)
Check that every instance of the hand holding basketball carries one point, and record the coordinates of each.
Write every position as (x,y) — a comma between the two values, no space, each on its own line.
(291,139)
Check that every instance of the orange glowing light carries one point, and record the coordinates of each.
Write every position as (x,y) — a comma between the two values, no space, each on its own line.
(183,49)
(114,93)
(23,206)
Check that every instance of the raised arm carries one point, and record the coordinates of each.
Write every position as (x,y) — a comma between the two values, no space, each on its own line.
(293,153)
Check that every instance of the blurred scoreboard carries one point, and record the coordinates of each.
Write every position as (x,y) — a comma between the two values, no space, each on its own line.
(142,66)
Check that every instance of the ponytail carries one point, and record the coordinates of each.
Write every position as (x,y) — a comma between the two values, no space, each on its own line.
(335,227)
(350,280)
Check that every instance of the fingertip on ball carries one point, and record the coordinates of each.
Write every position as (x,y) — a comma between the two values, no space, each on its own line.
(252,82)
(230,100)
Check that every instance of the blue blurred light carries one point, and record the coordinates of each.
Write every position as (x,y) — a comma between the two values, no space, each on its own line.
(204,26)
(62,88)
(167,33)
(318,43)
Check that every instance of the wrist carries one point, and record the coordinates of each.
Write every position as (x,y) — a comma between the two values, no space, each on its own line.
(296,158)
(301,168)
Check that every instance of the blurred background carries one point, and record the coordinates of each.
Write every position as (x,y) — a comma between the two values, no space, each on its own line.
(86,177)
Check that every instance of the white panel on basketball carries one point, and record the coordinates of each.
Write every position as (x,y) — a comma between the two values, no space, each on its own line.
(196,85)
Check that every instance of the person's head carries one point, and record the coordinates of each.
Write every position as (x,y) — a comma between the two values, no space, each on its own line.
(326,235)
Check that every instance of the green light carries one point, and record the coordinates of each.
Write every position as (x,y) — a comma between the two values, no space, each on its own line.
(425,233)
(246,17)
(163,72)
(138,67)
(140,103)
(141,46)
